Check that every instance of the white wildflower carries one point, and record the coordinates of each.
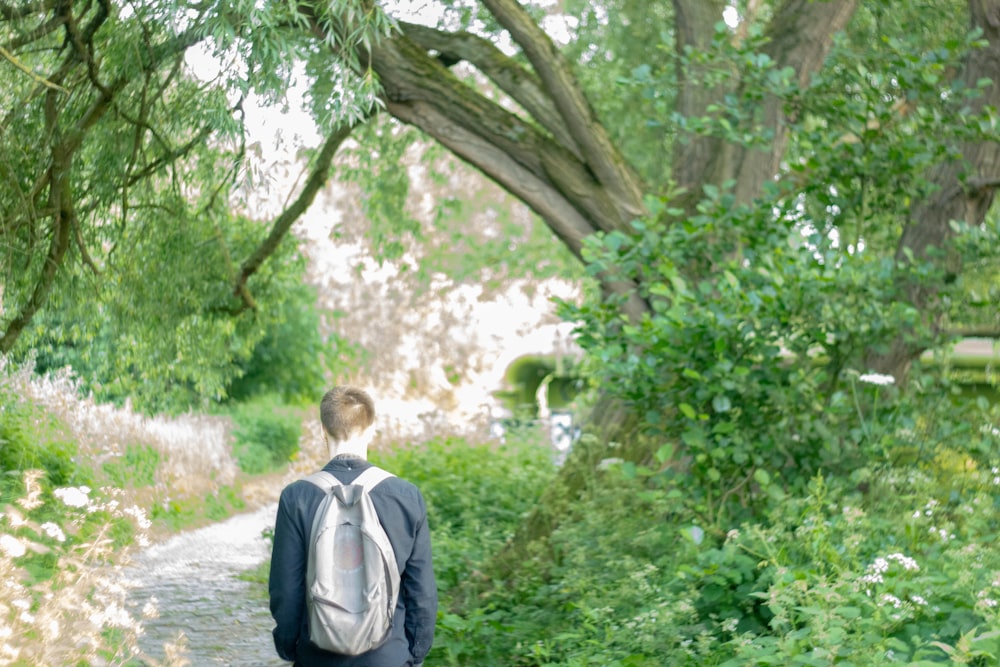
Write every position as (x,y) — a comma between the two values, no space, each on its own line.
(733,534)
(892,599)
(14,518)
(73,496)
(54,531)
(605,464)
(12,546)
(139,514)
(877,379)
(907,562)
(917,599)
(112,616)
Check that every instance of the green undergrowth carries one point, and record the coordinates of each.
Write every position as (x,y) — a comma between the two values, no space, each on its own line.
(266,434)
(895,565)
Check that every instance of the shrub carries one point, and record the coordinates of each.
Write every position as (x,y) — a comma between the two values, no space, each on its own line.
(266,434)
(904,571)
(476,494)
(135,468)
(30,440)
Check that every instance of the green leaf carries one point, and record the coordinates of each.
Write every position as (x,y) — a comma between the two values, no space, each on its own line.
(721,403)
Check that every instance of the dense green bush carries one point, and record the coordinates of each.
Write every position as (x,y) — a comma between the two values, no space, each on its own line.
(135,468)
(212,356)
(476,494)
(30,440)
(894,565)
(266,434)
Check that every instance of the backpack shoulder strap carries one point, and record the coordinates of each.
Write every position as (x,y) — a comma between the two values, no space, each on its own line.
(323,480)
(372,477)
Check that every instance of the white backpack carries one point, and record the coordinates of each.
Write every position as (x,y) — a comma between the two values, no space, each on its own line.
(352,579)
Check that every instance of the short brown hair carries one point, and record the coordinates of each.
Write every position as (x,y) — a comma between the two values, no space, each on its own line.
(346,412)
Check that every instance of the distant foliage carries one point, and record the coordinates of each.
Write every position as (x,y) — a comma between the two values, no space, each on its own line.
(266,434)
(136,467)
(294,359)
(476,493)
(178,347)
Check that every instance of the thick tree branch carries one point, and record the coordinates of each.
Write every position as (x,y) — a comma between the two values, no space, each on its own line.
(801,35)
(419,90)
(522,85)
(61,200)
(600,153)
(694,22)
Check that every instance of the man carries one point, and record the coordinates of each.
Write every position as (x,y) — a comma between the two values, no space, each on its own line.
(348,418)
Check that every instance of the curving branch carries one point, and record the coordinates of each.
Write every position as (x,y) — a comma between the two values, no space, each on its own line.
(800,36)
(318,176)
(65,142)
(555,72)
(61,201)
(575,197)
(522,85)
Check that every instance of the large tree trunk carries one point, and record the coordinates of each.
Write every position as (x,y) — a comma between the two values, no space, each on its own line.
(965,193)
(558,159)
(554,155)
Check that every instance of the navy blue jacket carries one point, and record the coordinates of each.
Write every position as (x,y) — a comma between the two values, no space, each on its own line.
(403,515)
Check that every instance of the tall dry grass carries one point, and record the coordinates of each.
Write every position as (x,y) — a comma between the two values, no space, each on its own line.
(78,615)
(195,451)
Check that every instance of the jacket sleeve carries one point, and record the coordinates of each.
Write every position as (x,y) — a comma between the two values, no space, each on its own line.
(419,591)
(286,582)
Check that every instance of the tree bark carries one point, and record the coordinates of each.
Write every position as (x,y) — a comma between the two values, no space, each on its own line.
(800,36)
(560,161)
(965,193)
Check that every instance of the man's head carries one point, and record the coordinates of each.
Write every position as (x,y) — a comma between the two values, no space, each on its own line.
(346,413)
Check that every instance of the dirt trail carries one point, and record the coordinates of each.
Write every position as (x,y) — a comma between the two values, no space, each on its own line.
(192,577)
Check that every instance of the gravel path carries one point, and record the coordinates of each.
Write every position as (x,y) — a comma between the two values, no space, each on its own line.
(192,576)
